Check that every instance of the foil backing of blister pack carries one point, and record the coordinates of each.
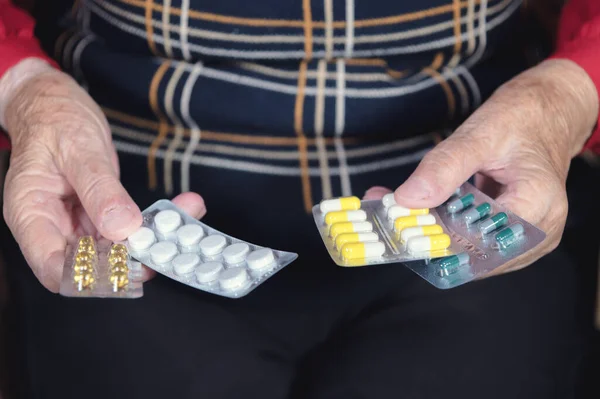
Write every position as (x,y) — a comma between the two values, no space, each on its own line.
(485,255)
(254,277)
(101,287)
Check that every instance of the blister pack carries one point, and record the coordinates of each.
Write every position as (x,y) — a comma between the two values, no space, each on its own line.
(100,269)
(466,237)
(193,253)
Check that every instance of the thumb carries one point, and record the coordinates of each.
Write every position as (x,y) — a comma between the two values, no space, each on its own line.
(441,171)
(105,200)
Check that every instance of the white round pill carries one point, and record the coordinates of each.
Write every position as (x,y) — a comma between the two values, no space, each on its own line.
(189,235)
(233,278)
(260,259)
(163,252)
(209,271)
(185,263)
(141,239)
(167,221)
(213,245)
(236,253)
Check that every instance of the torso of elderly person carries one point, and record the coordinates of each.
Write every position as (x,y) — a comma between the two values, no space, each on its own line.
(282,102)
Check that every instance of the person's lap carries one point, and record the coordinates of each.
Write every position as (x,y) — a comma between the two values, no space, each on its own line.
(314,330)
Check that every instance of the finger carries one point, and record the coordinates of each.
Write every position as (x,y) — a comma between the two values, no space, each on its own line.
(376,193)
(41,241)
(442,170)
(192,204)
(102,195)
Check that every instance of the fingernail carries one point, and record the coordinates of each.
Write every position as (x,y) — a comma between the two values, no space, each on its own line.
(415,188)
(376,192)
(117,219)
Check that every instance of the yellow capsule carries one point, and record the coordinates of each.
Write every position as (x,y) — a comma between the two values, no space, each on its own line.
(119,280)
(340,204)
(410,232)
(81,267)
(396,211)
(345,216)
(428,243)
(362,250)
(342,239)
(84,280)
(120,267)
(403,222)
(350,227)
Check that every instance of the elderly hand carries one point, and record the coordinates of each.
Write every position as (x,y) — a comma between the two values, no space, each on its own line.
(63,179)
(519,144)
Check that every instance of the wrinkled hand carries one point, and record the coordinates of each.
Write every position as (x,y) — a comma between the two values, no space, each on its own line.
(63,179)
(519,144)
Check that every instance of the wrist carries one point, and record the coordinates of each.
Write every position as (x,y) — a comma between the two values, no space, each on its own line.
(15,79)
(571,98)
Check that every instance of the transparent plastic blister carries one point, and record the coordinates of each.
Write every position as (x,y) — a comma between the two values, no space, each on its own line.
(100,269)
(449,245)
(193,253)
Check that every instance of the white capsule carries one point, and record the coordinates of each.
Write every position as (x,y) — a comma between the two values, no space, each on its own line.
(167,221)
(340,204)
(260,259)
(208,272)
(362,250)
(388,200)
(233,278)
(435,242)
(397,211)
(141,239)
(189,235)
(213,245)
(163,252)
(185,263)
(416,231)
(236,253)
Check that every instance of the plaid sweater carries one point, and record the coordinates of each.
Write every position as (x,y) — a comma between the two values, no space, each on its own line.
(322,91)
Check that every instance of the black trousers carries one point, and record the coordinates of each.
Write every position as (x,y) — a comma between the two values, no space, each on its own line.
(313,331)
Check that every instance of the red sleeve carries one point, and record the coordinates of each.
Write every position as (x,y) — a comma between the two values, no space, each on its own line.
(579,41)
(17,42)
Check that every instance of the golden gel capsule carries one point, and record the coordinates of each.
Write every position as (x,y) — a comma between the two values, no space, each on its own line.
(117,257)
(86,240)
(84,280)
(118,249)
(340,204)
(120,267)
(410,232)
(82,267)
(83,257)
(362,250)
(345,216)
(350,227)
(87,248)
(355,237)
(118,280)
(402,223)
(428,243)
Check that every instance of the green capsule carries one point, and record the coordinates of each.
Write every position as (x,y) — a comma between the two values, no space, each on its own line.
(510,235)
(477,213)
(461,203)
(451,264)
(493,223)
